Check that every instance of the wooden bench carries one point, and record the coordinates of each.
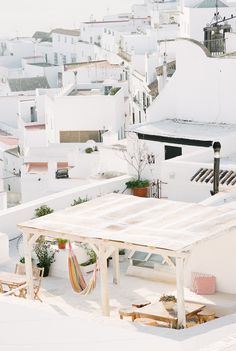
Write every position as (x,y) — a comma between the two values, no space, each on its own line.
(206,315)
(127,312)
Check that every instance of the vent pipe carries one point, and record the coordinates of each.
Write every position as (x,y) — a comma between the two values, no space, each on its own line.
(76,81)
(216,180)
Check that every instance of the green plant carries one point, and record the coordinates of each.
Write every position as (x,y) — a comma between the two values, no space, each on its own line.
(79,201)
(92,256)
(88,150)
(113,91)
(122,252)
(137,183)
(44,252)
(61,241)
(43,211)
(22,260)
(168,298)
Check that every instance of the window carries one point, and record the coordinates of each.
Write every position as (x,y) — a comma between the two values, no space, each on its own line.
(172,151)
(55,58)
(59,80)
(73,58)
(33,115)
(140,117)
(72,40)
(64,59)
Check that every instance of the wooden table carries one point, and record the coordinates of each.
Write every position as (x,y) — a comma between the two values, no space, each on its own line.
(158,312)
(13,280)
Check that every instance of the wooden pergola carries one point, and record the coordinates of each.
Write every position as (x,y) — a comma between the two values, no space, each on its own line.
(116,221)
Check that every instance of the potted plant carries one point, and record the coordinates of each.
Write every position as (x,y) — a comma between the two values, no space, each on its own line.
(137,157)
(139,187)
(61,243)
(45,254)
(89,265)
(121,255)
(168,301)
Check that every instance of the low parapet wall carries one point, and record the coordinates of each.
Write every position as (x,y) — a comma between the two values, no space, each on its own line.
(10,217)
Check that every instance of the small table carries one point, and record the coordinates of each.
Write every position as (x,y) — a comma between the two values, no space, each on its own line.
(158,312)
(13,280)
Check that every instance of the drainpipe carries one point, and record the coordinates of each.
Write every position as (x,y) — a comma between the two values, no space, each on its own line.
(216,147)
(76,81)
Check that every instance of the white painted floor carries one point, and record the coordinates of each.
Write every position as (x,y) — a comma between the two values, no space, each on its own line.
(67,320)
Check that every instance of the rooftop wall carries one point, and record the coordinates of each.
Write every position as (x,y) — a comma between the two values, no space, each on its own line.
(10,217)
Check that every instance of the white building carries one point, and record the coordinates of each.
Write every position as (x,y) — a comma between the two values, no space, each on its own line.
(187,117)
(85,113)
(195,15)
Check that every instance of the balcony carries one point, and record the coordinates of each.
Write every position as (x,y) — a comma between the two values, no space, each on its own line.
(124,55)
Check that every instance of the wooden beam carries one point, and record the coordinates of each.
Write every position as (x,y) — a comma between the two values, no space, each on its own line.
(116,267)
(102,257)
(106,242)
(28,265)
(180,292)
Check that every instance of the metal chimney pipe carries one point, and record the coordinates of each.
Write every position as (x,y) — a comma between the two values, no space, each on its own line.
(216,181)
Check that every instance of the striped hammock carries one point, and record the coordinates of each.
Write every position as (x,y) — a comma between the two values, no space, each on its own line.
(76,277)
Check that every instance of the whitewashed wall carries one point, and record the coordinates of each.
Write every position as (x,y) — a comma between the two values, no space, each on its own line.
(11,217)
(215,257)
(92,112)
(208,82)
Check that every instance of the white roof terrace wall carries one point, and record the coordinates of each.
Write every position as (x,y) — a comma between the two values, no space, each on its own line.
(9,108)
(51,73)
(21,47)
(91,73)
(215,257)
(10,217)
(91,112)
(202,88)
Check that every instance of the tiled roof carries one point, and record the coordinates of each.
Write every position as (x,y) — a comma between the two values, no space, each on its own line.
(28,84)
(210,4)
(41,35)
(153,88)
(72,32)
(96,64)
(206,175)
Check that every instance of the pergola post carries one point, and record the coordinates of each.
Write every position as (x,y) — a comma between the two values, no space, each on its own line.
(28,265)
(103,255)
(180,292)
(116,267)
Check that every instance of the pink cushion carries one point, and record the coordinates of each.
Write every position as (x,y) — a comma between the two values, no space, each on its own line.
(203,284)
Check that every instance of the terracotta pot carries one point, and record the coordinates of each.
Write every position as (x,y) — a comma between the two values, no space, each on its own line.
(141,192)
(61,246)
